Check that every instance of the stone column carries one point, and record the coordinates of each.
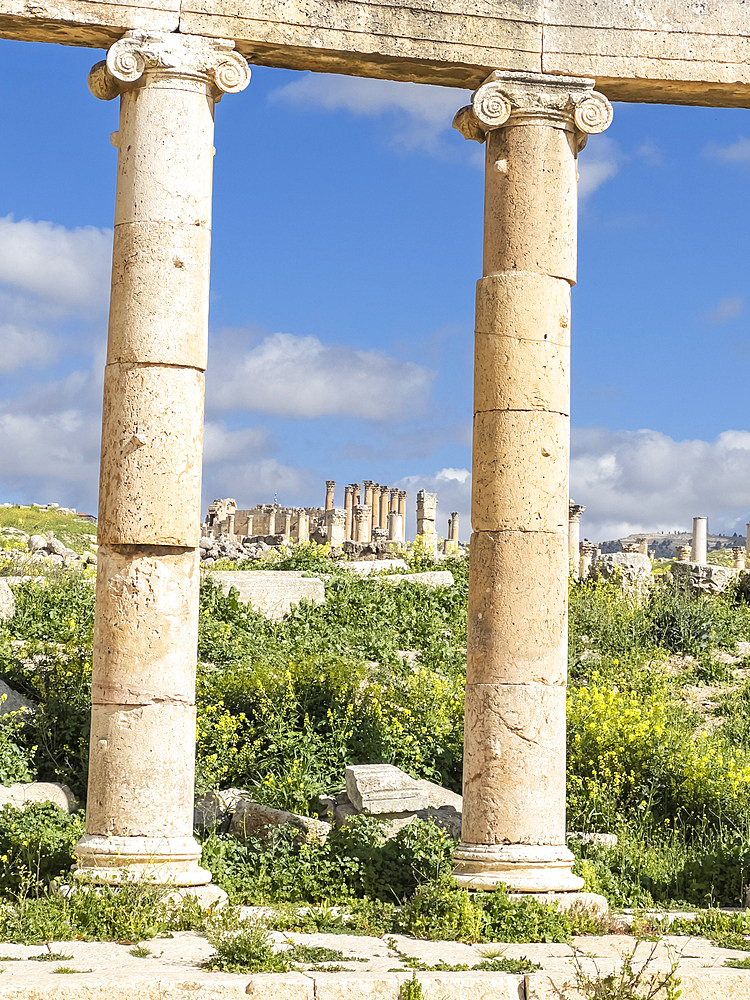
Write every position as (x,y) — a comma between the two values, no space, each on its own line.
(402,511)
(426,510)
(271,526)
(738,557)
(356,495)
(368,488)
(394,527)
(747,539)
(375,509)
(451,542)
(348,505)
(139,815)
(362,523)
(514,755)
(249,526)
(383,517)
(303,526)
(335,524)
(330,493)
(393,500)
(587,552)
(287,531)
(575,510)
(230,525)
(684,552)
(700,540)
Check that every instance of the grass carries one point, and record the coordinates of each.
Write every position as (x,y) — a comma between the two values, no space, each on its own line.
(77,533)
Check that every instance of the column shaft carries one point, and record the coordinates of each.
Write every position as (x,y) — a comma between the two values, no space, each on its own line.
(514,754)
(146,623)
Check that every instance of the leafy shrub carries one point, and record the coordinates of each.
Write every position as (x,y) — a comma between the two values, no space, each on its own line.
(36,845)
(15,753)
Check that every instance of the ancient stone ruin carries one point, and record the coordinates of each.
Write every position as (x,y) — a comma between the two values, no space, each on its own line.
(543,73)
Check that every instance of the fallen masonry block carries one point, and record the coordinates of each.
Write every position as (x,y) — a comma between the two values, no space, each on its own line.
(251,819)
(271,592)
(382,790)
(7,602)
(38,791)
(433,578)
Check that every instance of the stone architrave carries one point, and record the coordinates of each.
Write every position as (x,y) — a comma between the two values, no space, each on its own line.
(330,493)
(575,511)
(362,523)
(700,540)
(514,753)
(139,816)
(348,505)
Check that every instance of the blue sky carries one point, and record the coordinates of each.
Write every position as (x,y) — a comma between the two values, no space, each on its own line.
(347,241)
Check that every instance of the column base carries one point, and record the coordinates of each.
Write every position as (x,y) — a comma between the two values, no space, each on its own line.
(516,867)
(158,860)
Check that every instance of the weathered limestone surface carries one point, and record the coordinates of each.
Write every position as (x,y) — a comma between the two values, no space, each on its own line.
(513,828)
(12,701)
(382,789)
(703,578)
(145,634)
(667,51)
(7,601)
(251,819)
(632,568)
(272,593)
(20,795)
(433,578)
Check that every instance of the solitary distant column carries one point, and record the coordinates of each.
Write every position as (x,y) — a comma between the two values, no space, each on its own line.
(700,540)
(738,557)
(348,505)
(139,814)
(402,511)
(330,493)
(513,829)
(575,511)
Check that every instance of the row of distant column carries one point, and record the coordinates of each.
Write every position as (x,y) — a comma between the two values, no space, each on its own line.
(371,512)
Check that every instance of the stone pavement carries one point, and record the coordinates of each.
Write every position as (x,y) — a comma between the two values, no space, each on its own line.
(374,970)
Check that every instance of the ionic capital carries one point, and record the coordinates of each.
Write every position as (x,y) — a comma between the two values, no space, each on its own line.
(139,54)
(504,99)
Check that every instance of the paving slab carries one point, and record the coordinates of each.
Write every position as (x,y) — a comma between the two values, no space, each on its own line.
(174,969)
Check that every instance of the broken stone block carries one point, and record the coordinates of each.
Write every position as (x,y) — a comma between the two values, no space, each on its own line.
(38,791)
(7,602)
(251,819)
(382,789)
(12,701)
(703,578)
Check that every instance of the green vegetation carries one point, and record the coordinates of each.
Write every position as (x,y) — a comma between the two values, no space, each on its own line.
(658,753)
(76,532)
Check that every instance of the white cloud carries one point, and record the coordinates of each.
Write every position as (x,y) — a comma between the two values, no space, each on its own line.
(735,152)
(302,377)
(726,309)
(599,162)
(20,347)
(67,268)
(646,480)
(423,113)
(222,445)
(251,481)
